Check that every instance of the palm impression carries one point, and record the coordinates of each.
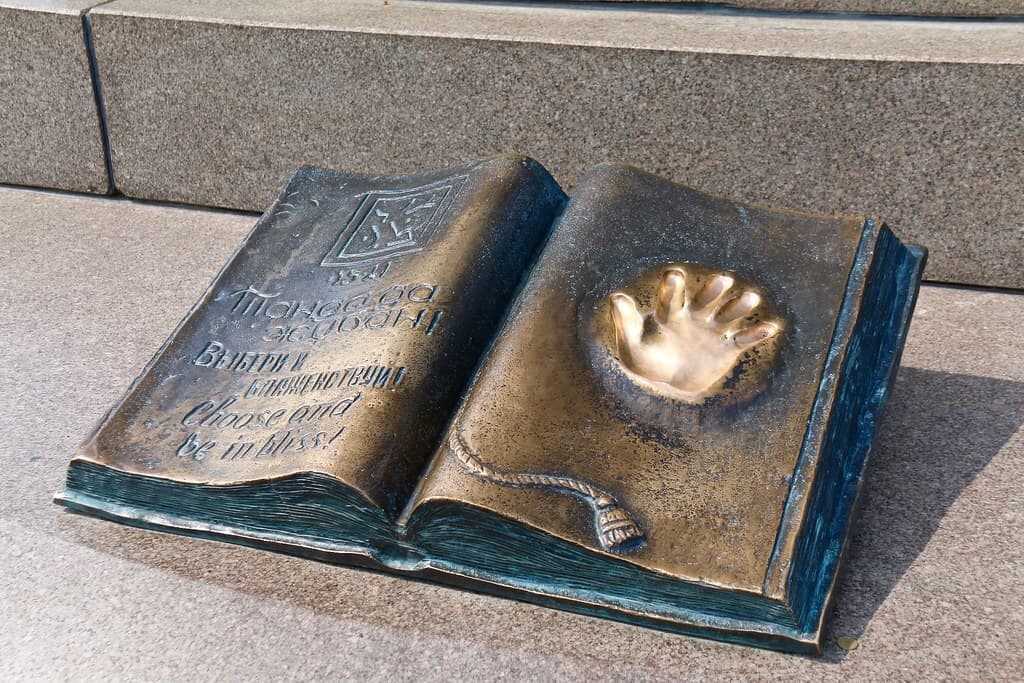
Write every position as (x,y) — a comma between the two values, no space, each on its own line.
(708,334)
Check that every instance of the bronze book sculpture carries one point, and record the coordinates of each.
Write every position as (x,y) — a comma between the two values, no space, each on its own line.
(642,402)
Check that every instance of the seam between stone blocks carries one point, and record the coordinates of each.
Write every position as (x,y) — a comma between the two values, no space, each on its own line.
(97,92)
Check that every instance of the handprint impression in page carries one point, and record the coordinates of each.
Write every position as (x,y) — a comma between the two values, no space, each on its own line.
(704,330)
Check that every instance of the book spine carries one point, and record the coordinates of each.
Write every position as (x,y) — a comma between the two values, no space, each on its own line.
(864,383)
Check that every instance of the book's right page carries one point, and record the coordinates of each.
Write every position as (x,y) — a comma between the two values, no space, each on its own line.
(650,394)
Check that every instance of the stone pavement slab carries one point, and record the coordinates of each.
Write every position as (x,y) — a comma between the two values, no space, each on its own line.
(49,124)
(933,588)
(917,123)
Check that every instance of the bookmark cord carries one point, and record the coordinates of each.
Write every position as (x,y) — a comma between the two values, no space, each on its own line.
(616,529)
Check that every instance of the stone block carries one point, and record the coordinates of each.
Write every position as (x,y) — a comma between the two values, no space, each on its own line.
(50,133)
(917,123)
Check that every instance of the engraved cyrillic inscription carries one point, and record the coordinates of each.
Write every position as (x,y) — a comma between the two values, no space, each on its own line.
(215,355)
(349,284)
(374,376)
(423,319)
(390,224)
(399,306)
(252,302)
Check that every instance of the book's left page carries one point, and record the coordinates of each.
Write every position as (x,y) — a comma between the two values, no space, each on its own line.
(305,391)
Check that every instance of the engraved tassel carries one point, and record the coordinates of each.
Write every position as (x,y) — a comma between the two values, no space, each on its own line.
(616,529)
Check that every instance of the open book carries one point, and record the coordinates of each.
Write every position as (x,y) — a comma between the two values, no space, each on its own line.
(643,402)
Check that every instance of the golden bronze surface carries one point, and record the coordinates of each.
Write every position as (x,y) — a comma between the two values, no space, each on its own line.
(340,336)
(670,427)
(707,330)
(704,476)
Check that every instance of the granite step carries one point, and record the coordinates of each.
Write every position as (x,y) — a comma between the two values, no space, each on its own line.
(915,122)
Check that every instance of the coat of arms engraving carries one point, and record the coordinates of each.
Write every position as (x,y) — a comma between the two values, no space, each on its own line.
(388,224)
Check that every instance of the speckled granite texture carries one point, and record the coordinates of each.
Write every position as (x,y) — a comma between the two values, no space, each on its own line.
(932,589)
(49,125)
(949,8)
(916,123)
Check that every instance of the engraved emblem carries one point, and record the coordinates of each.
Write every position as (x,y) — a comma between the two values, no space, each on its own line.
(390,224)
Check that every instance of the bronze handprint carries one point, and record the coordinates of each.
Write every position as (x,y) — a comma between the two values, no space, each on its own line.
(703,326)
